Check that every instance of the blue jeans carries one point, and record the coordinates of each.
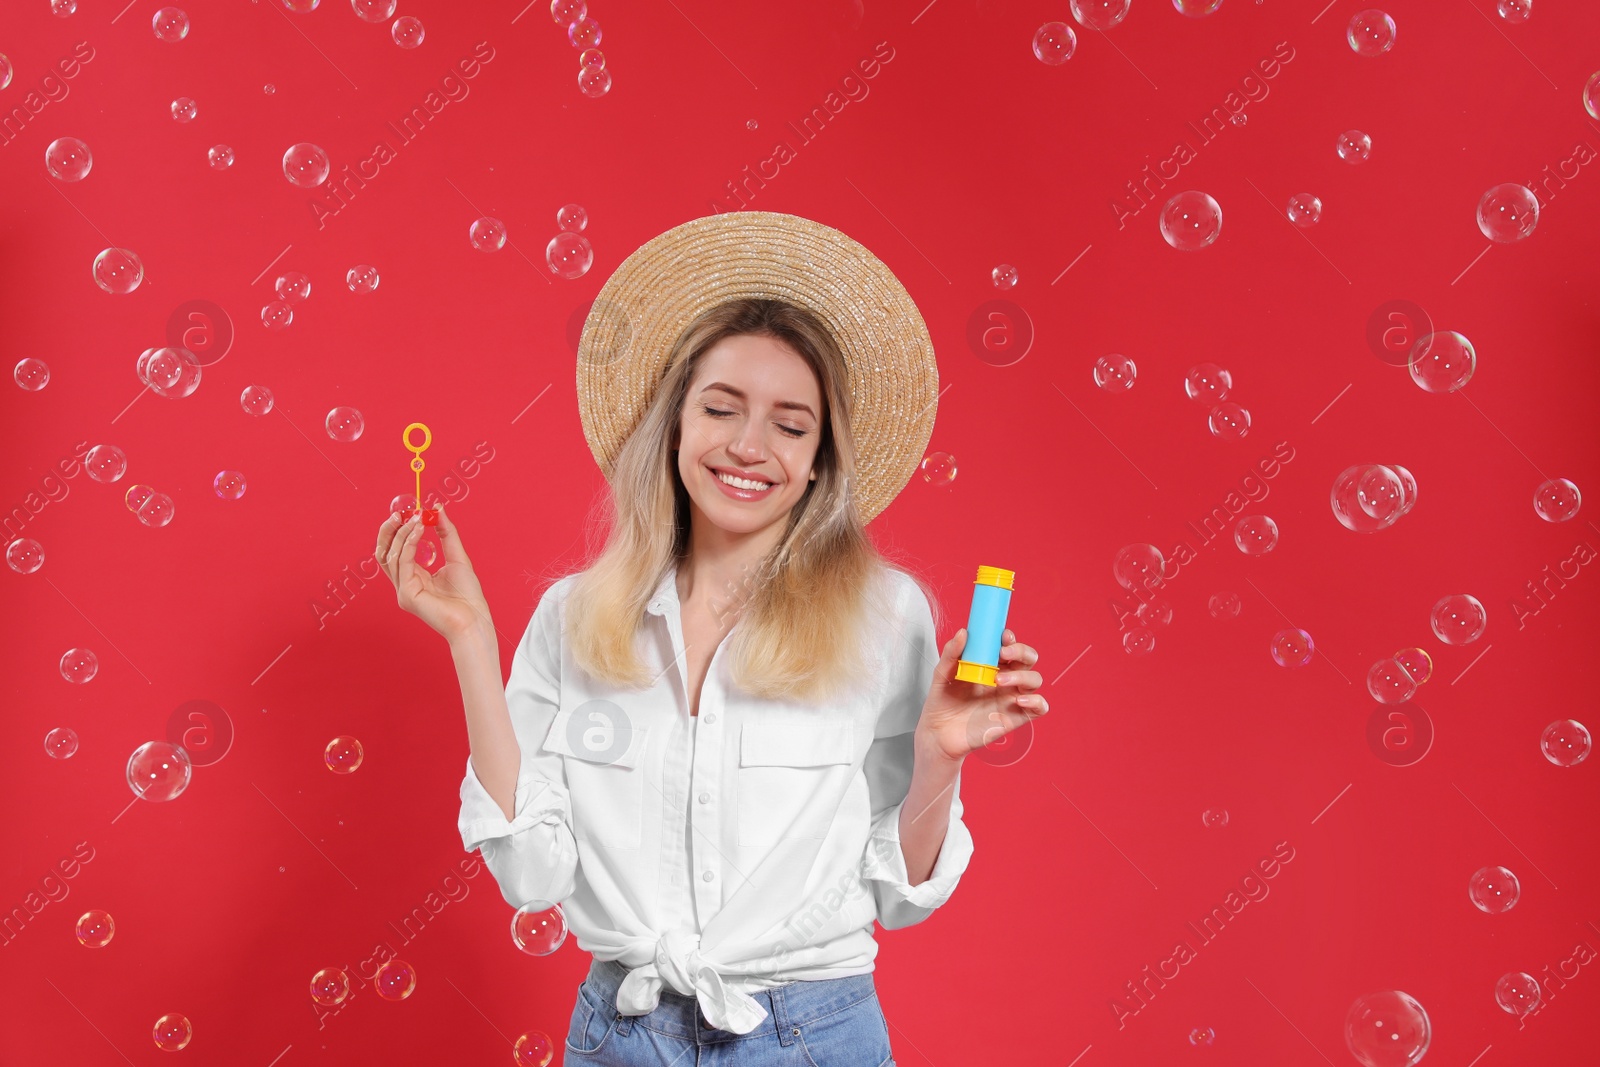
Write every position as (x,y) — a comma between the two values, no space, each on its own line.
(832,1023)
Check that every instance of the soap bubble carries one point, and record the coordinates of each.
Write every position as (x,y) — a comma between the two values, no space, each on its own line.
(1115,373)
(1202,1035)
(1215,818)
(170,372)
(184,109)
(68,159)
(1417,664)
(256,400)
(118,271)
(1556,500)
(158,771)
(1565,743)
(24,555)
(331,985)
(1380,493)
(170,24)
(6,70)
(1229,420)
(31,374)
(95,928)
(1196,8)
(61,742)
(938,468)
(361,278)
(106,463)
(1099,14)
(343,755)
(1346,497)
(1591,95)
(569,255)
(572,217)
(1305,210)
(487,234)
(407,32)
(1054,43)
(584,32)
(1508,213)
(534,1048)
(1442,361)
(172,1032)
(1515,11)
(1370,33)
(1517,992)
(1494,890)
(293,286)
(1004,276)
(1389,682)
(220,157)
(1255,535)
(374,10)
(148,506)
(539,928)
(305,165)
(63,8)
(1292,648)
(1138,566)
(79,665)
(1354,146)
(344,424)
(1224,605)
(1139,641)
(1191,221)
(1458,619)
(395,980)
(1387,1029)
(228,485)
(594,59)
(566,12)
(276,314)
(1207,383)
(594,82)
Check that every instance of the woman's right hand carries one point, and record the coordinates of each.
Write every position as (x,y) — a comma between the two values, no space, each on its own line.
(450,600)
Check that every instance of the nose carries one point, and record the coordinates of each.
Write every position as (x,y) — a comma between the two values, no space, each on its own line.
(748,447)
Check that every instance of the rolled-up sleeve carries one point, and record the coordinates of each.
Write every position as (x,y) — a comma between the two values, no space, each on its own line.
(888,769)
(533,856)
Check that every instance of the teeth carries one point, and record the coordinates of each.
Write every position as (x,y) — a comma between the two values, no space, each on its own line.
(741,483)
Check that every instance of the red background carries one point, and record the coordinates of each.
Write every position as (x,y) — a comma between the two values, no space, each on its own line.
(967,153)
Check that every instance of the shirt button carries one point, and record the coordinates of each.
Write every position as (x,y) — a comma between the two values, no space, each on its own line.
(707,876)
(705,798)
(711,716)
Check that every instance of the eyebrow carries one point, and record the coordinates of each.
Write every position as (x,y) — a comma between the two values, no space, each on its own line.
(793,405)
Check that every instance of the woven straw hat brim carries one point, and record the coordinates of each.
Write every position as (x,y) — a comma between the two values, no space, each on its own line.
(654,294)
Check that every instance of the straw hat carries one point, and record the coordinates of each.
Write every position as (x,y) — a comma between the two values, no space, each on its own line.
(653,295)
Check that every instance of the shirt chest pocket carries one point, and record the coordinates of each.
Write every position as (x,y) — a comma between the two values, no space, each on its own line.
(604,750)
(791,775)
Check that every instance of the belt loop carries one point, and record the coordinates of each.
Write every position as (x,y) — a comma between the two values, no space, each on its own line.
(780,1015)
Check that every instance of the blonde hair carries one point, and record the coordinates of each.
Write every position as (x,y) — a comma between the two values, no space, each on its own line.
(809,605)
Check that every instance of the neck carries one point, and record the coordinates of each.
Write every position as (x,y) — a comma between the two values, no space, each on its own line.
(722,568)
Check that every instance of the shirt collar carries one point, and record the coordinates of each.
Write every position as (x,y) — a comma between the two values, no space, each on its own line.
(665,598)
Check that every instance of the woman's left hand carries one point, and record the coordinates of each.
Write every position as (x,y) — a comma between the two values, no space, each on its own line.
(960,717)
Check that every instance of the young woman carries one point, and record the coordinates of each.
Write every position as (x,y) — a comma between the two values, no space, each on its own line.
(729,744)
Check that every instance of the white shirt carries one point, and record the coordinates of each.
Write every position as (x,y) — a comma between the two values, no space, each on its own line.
(733,851)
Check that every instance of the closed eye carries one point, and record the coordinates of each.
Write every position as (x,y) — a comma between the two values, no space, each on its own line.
(791,431)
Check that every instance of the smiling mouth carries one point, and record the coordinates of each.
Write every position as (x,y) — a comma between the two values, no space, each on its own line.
(759,487)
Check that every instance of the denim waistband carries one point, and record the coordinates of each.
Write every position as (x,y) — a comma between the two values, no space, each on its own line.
(787,1006)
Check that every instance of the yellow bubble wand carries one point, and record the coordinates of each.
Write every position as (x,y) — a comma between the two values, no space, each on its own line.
(430,516)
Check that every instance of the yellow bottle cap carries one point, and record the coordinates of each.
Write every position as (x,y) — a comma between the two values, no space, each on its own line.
(981,673)
(995,576)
